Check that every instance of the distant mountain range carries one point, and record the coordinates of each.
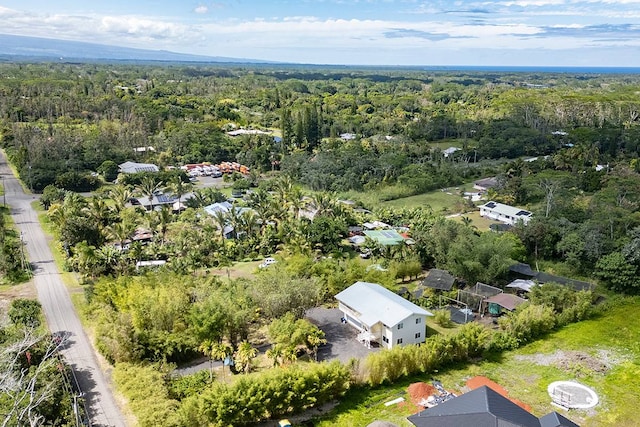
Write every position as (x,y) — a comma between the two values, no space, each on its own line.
(37,48)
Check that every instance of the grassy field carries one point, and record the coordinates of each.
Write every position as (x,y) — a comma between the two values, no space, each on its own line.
(603,353)
(440,201)
(481,223)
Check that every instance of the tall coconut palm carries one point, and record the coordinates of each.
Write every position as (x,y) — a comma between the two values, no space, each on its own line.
(98,210)
(148,188)
(178,187)
(120,194)
(221,219)
(245,355)
(120,232)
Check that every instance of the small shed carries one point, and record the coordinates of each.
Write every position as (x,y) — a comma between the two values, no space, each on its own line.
(440,280)
(508,302)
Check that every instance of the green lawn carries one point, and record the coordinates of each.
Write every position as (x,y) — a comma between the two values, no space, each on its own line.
(481,223)
(615,334)
(440,201)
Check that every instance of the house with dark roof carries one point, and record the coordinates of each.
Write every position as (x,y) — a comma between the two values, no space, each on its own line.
(505,213)
(382,316)
(157,201)
(554,419)
(440,280)
(482,407)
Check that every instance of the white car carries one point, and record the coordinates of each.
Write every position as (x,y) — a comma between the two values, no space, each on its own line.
(267,262)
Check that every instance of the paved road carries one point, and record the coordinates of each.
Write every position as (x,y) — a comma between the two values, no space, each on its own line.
(58,309)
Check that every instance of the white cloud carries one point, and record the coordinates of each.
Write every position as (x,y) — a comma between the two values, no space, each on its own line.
(311,39)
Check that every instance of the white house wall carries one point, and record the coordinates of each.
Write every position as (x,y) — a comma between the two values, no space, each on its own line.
(489,213)
(407,333)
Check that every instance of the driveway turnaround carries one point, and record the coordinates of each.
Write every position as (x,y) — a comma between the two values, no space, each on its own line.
(58,309)
(341,338)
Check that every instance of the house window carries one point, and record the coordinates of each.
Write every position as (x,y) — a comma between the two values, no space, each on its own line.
(418,320)
(417,335)
(399,341)
(385,339)
(400,325)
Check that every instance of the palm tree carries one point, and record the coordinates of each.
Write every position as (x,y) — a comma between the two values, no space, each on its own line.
(160,220)
(111,258)
(314,341)
(119,232)
(245,355)
(120,194)
(290,355)
(98,211)
(178,187)
(221,218)
(148,188)
(208,347)
(297,201)
(220,352)
(324,203)
(275,353)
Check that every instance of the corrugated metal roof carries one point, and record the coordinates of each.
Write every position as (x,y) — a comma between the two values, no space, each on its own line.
(377,304)
(508,301)
(506,209)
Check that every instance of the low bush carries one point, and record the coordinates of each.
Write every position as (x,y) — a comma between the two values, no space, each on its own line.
(442,318)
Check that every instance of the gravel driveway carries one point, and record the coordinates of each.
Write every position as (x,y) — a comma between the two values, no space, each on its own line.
(341,338)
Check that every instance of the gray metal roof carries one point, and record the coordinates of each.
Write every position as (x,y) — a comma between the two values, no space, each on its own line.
(133,167)
(377,304)
(439,279)
(481,407)
(506,209)
(554,419)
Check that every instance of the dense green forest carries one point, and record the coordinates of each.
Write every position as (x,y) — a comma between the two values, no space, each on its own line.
(563,146)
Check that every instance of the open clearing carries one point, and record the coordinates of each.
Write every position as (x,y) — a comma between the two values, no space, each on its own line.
(602,353)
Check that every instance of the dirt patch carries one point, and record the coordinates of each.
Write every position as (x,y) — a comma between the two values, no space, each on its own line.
(419,391)
(480,381)
(578,363)
(10,293)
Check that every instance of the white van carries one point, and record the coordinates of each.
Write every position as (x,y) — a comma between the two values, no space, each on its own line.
(267,262)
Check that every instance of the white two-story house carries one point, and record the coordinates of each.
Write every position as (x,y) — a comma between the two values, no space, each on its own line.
(382,316)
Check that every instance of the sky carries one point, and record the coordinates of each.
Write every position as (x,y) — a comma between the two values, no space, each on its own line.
(590,33)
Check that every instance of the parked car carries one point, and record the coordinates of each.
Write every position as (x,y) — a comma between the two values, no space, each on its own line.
(267,262)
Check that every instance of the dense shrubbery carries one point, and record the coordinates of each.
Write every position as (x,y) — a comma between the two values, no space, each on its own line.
(437,351)
(144,386)
(266,395)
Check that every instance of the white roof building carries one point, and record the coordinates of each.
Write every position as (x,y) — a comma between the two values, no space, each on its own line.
(133,167)
(451,150)
(382,316)
(505,213)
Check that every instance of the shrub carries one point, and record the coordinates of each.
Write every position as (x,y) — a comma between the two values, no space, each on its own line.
(442,318)
(144,386)
(529,321)
(260,396)
(25,312)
